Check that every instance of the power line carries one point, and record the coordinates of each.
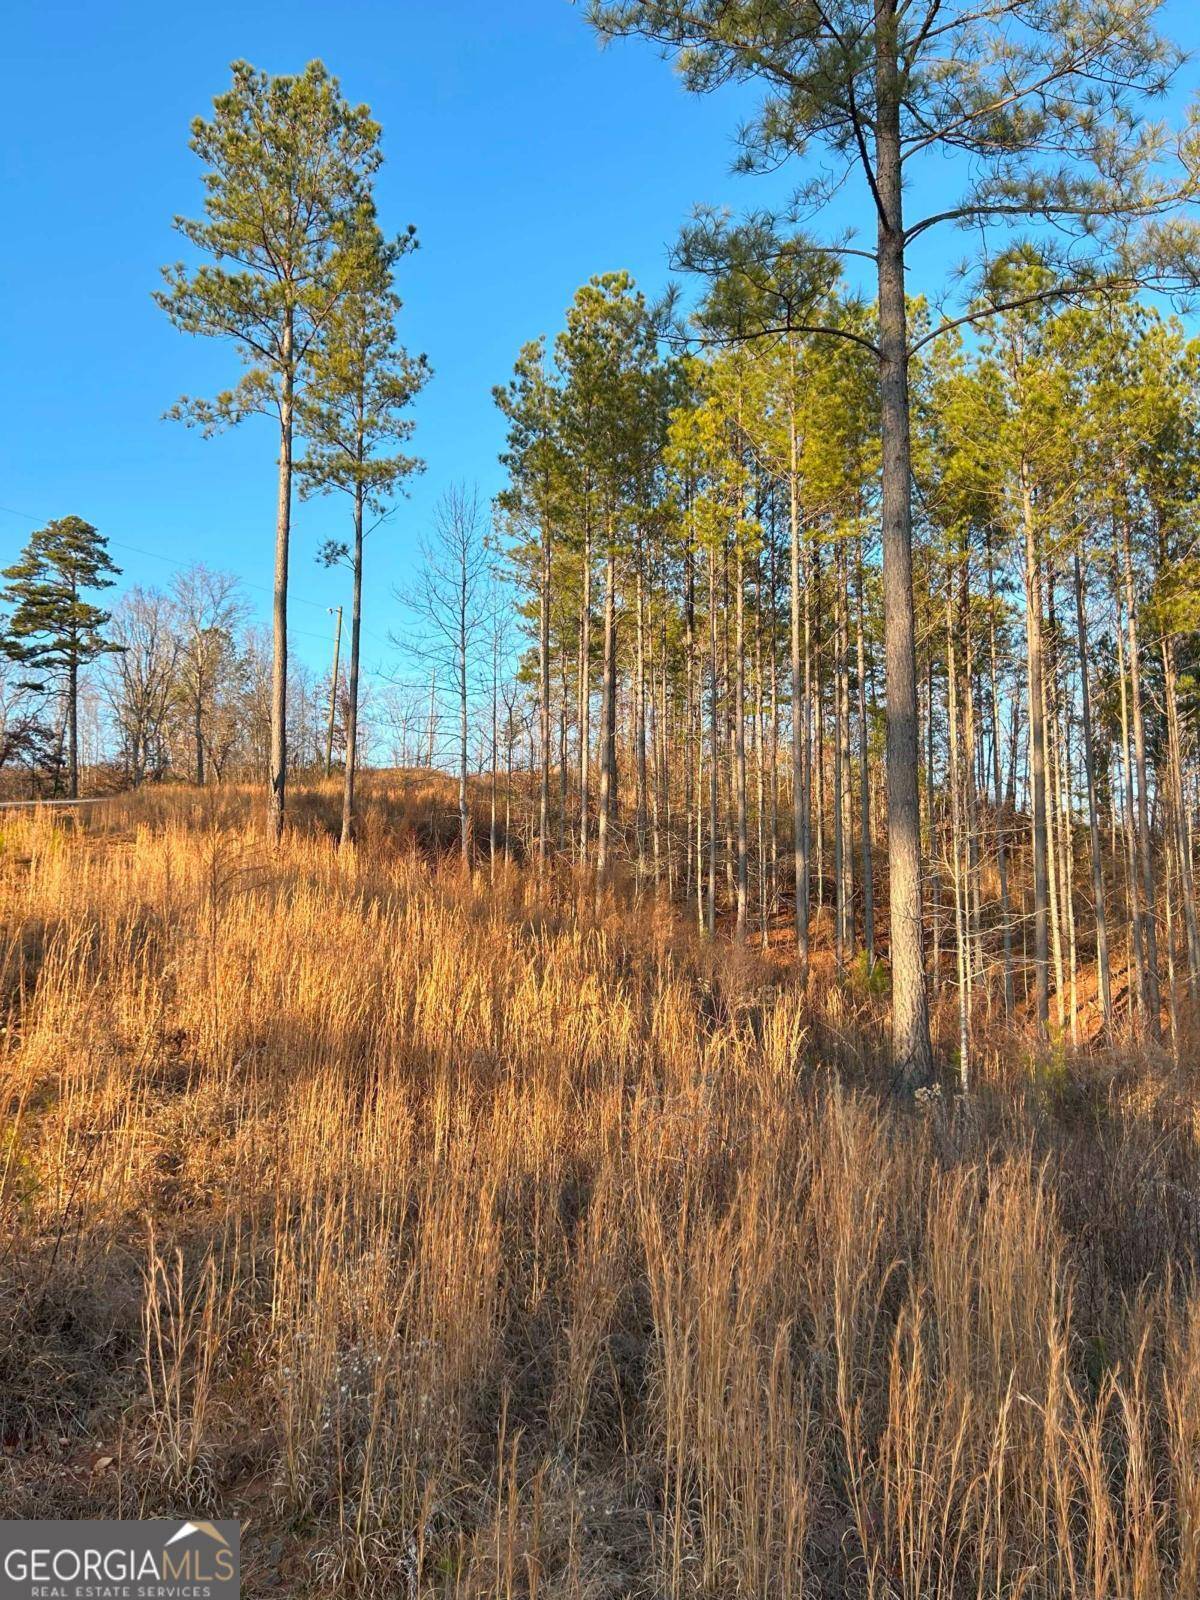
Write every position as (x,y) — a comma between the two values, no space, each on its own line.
(171,561)
(156,555)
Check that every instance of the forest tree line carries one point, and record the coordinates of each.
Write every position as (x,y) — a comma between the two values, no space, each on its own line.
(1028,129)
(699,542)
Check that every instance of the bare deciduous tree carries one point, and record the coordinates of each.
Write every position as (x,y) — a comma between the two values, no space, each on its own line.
(209,612)
(141,680)
(449,600)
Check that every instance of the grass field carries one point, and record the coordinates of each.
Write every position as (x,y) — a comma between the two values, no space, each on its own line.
(462,1241)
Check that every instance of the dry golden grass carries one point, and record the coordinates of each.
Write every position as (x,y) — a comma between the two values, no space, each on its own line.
(461,1242)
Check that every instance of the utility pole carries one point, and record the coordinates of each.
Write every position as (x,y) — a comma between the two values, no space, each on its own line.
(432,717)
(333,686)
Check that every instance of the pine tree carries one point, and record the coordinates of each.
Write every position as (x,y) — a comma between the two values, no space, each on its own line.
(52,629)
(289,164)
(361,380)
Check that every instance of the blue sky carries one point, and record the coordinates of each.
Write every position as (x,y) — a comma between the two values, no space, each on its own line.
(527,156)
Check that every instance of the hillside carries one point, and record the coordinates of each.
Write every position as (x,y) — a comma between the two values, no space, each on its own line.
(463,1240)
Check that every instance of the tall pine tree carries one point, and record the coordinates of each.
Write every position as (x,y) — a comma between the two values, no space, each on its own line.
(288,166)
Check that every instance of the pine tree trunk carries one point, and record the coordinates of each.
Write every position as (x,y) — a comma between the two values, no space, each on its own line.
(1179,814)
(760,766)
(868,872)
(662,777)
(714,743)
(279,658)
(912,1053)
(1053,852)
(585,691)
(799,712)
(727,770)
(954,783)
(817,762)
(972,891)
(1143,802)
(608,732)
(73,731)
(691,776)
(739,741)
(847,779)
(1168,904)
(804,888)
(1089,767)
(351,772)
(931,827)
(464,819)
(1132,892)
(839,841)
(1037,763)
(639,719)
(544,707)
(773,713)
(564,778)
(1068,858)
(494,761)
